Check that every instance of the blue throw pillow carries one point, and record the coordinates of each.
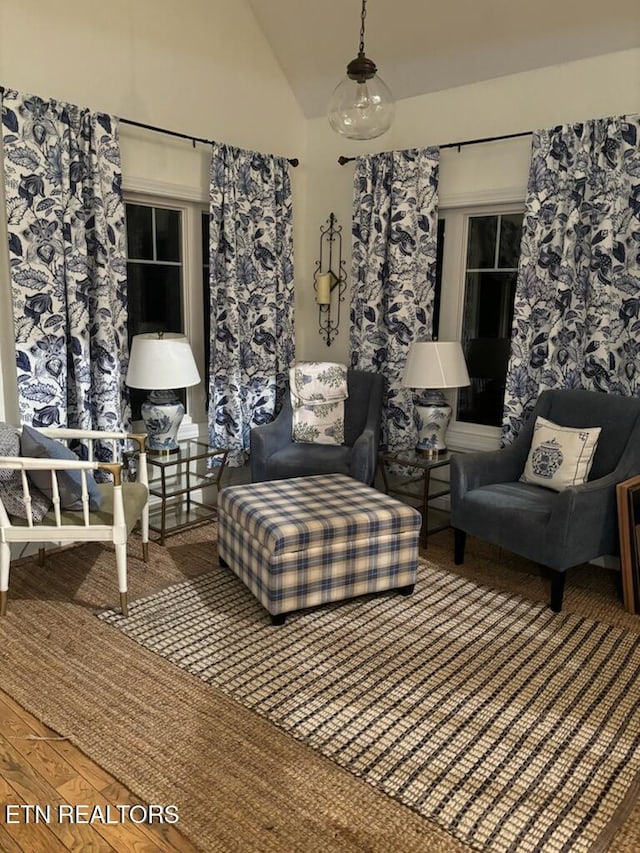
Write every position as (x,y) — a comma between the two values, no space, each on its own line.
(34,443)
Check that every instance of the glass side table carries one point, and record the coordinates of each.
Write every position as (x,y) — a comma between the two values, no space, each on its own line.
(175,477)
(416,485)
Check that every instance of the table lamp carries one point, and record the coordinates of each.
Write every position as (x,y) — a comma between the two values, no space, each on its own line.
(159,362)
(432,366)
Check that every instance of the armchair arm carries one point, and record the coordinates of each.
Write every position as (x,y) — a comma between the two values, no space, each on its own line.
(364,456)
(53,468)
(115,469)
(266,439)
(116,439)
(586,516)
(68,434)
(473,470)
(140,439)
(35,463)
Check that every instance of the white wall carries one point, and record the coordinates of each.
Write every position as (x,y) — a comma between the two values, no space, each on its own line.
(197,66)
(203,67)
(200,67)
(605,85)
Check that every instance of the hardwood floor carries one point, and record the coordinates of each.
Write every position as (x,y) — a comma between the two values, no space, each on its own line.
(38,768)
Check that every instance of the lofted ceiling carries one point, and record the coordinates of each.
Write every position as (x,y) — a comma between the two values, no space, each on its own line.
(423,46)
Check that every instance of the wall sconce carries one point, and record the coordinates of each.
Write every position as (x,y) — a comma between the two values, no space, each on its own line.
(329,276)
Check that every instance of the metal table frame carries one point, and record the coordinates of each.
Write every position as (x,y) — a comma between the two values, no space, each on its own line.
(191,450)
(425,465)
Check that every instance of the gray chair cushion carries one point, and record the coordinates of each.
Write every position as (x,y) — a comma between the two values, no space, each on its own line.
(506,505)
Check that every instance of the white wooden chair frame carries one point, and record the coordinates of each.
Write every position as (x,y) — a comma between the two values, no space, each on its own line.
(59,533)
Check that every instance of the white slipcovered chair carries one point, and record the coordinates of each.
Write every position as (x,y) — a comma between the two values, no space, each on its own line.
(101,512)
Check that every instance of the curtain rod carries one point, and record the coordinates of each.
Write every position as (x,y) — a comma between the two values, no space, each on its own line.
(459,145)
(293,161)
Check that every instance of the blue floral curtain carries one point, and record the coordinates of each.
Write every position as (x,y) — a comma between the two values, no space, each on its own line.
(577,306)
(251,263)
(395,212)
(67,248)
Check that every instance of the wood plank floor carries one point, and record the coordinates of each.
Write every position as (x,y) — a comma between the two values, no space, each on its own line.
(37,768)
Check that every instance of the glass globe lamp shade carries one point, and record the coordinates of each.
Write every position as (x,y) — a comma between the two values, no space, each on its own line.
(361,109)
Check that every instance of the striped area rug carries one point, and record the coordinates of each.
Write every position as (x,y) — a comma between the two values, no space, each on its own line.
(514,728)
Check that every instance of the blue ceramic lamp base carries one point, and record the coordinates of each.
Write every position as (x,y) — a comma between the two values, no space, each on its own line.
(162,414)
(433,415)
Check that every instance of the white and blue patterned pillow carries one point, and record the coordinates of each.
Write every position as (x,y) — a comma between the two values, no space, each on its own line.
(318,390)
(560,456)
(9,446)
(11,491)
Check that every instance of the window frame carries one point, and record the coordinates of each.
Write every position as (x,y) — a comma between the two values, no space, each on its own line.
(192,304)
(461,434)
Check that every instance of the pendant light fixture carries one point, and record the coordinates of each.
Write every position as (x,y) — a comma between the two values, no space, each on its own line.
(361,106)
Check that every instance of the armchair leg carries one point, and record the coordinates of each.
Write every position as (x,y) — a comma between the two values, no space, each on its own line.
(557,589)
(121,563)
(5,563)
(41,553)
(145,533)
(459,540)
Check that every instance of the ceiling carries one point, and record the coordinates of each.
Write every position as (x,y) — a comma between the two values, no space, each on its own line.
(421,46)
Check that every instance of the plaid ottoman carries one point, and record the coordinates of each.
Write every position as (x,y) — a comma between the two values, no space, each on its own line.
(310,540)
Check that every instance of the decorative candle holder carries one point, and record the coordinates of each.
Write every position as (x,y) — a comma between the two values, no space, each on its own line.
(329,277)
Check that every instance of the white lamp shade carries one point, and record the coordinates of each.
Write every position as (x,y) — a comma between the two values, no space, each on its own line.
(161,361)
(435,364)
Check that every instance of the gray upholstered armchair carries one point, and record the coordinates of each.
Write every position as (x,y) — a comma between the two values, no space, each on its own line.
(274,456)
(557,529)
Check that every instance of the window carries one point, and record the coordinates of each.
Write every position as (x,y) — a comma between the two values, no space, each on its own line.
(437,297)
(165,241)
(206,300)
(480,256)
(154,269)
(154,277)
(493,249)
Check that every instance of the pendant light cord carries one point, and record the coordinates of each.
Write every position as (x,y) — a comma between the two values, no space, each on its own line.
(363,15)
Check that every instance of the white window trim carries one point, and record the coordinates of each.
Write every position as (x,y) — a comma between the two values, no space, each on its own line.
(164,190)
(482,198)
(456,209)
